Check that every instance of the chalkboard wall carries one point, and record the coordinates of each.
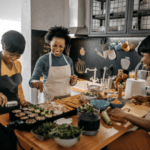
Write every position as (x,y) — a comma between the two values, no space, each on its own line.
(91,58)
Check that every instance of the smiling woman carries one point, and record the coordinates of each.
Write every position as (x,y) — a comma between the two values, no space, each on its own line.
(56,68)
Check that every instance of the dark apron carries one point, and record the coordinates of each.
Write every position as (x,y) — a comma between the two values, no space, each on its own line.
(9,87)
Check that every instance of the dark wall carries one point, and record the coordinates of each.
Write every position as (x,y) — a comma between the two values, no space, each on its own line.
(92,59)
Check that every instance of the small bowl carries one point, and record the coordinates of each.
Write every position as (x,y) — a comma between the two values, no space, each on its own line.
(66,142)
(115,105)
(100,104)
(95,88)
(97,111)
(88,97)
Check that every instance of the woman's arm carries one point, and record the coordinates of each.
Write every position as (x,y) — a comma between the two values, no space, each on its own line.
(140,122)
(38,70)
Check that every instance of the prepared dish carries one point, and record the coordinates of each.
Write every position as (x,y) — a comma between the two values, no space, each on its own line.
(20,114)
(16,111)
(37,111)
(27,112)
(25,108)
(30,121)
(31,109)
(91,94)
(48,115)
(40,118)
(32,115)
(116,101)
(24,118)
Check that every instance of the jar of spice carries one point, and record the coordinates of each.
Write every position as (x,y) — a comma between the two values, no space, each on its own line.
(120,88)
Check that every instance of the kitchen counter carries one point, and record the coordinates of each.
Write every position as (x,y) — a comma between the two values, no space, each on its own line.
(106,134)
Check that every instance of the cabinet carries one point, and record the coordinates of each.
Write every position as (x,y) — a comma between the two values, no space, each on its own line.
(119,17)
(139,19)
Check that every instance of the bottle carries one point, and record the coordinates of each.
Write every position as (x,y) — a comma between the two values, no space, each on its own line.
(148,79)
(120,88)
(109,82)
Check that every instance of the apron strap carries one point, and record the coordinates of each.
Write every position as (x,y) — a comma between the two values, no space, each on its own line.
(50,59)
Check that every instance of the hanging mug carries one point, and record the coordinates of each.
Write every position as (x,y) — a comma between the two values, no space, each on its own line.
(112,45)
(125,47)
(118,46)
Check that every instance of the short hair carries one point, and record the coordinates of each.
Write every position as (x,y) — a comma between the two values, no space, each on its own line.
(144,46)
(59,32)
(13,41)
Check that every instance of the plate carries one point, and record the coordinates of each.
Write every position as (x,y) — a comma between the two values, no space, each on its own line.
(88,97)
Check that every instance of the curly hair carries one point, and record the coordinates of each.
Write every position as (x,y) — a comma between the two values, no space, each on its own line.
(13,41)
(59,32)
(144,46)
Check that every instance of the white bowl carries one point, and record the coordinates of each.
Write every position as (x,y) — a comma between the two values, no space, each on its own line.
(66,142)
(88,97)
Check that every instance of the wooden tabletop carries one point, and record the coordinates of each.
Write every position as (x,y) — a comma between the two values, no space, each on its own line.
(106,134)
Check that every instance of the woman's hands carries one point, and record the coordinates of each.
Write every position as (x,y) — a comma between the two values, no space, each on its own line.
(118,113)
(38,85)
(139,99)
(3,99)
(73,79)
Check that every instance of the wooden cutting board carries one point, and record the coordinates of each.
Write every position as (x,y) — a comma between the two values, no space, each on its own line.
(136,110)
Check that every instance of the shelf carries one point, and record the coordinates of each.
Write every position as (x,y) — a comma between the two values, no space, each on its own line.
(103,0)
(112,16)
(141,13)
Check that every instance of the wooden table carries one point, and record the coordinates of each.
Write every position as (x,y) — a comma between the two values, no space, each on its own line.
(106,135)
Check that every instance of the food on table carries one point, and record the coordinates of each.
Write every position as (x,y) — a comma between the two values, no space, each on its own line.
(58,112)
(20,114)
(100,96)
(24,118)
(37,111)
(86,108)
(116,101)
(82,99)
(121,79)
(126,109)
(40,118)
(44,129)
(91,94)
(27,112)
(71,104)
(30,121)
(32,115)
(16,111)
(34,106)
(106,118)
(48,115)
(31,109)
(65,131)
(43,113)
(25,108)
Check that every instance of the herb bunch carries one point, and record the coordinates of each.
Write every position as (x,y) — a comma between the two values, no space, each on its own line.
(66,131)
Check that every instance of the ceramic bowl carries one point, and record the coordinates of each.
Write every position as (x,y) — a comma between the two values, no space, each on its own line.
(66,142)
(95,88)
(88,97)
(100,104)
(115,105)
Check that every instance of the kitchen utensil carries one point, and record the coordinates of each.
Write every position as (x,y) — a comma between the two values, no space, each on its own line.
(101,104)
(82,51)
(80,66)
(142,74)
(125,63)
(115,105)
(90,123)
(125,47)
